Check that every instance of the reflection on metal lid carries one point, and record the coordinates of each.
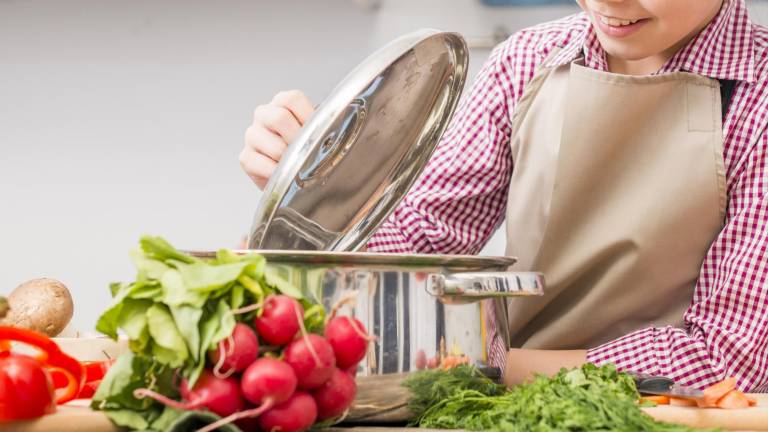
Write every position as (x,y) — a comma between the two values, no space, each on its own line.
(364,147)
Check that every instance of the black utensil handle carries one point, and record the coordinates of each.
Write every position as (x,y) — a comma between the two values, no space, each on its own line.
(492,373)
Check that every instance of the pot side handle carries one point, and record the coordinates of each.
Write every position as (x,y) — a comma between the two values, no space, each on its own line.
(461,288)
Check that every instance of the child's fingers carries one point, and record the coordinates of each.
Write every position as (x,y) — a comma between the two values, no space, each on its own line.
(278,120)
(296,102)
(264,141)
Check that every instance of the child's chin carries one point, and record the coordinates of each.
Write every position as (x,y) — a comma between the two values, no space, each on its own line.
(627,50)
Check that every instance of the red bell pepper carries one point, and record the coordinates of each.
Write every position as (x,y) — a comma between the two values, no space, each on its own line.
(26,386)
(89,389)
(95,370)
(26,390)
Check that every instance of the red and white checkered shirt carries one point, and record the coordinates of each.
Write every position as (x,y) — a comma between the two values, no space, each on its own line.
(459,200)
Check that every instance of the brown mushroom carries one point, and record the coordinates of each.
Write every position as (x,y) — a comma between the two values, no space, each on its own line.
(3,307)
(43,305)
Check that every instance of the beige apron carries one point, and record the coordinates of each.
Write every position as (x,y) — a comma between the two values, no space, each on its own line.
(617,193)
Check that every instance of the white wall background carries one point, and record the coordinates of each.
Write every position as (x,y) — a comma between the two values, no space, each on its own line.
(119,118)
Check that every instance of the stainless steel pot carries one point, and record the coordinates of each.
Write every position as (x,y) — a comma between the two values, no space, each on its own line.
(344,174)
(415,305)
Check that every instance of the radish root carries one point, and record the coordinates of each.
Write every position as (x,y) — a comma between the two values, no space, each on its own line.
(306,338)
(246,309)
(255,412)
(348,298)
(142,393)
(152,381)
(360,332)
(230,349)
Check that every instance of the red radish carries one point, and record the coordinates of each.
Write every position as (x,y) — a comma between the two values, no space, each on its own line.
(297,414)
(335,396)
(421,360)
(434,362)
(219,395)
(249,424)
(352,371)
(237,355)
(312,368)
(279,322)
(268,380)
(348,338)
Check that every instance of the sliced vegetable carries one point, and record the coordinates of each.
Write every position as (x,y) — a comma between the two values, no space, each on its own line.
(89,389)
(51,356)
(733,400)
(682,402)
(95,370)
(658,400)
(715,392)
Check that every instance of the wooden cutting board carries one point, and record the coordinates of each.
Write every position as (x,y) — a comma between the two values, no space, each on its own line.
(381,400)
(749,419)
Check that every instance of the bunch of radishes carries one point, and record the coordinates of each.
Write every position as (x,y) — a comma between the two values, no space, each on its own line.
(301,379)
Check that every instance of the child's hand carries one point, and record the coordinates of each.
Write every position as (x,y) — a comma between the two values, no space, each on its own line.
(274,126)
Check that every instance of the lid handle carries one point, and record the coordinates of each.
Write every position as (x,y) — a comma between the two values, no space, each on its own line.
(334,145)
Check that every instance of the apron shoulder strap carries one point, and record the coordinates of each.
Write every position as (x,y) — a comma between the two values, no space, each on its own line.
(726,94)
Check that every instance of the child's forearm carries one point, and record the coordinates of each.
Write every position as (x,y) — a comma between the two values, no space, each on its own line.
(523,364)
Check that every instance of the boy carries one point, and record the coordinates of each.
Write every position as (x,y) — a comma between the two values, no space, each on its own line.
(625,145)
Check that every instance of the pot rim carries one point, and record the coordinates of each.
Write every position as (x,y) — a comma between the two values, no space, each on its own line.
(374,259)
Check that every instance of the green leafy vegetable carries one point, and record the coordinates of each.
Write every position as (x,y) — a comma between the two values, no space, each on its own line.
(274,279)
(178,308)
(129,373)
(589,398)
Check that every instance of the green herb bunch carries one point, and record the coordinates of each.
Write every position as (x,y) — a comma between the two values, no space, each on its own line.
(589,398)
(429,387)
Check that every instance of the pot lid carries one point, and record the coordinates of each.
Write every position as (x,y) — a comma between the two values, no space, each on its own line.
(363,148)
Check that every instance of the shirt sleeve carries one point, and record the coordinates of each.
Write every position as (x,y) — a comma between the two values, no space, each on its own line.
(726,326)
(459,200)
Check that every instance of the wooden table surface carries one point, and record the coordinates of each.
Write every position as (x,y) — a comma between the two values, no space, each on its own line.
(381,401)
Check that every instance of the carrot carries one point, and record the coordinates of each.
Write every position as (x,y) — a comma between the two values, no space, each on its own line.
(658,400)
(674,401)
(733,400)
(452,361)
(715,392)
(752,401)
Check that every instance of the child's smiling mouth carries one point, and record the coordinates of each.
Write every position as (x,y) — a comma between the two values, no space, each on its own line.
(618,27)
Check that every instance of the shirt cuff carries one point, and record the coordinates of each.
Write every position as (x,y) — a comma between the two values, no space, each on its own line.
(635,352)
(401,233)
(389,239)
